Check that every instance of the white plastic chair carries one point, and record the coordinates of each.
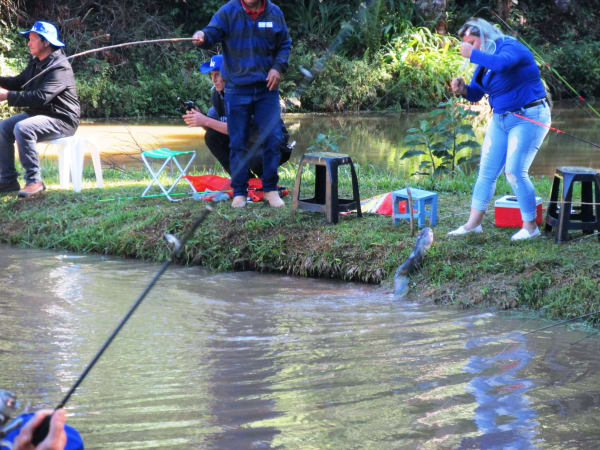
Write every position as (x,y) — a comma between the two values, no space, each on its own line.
(71,151)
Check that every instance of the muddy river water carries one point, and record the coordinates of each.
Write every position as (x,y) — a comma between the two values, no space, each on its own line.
(246,360)
(377,140)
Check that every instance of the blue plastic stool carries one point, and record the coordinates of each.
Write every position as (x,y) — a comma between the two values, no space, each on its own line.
(420,199)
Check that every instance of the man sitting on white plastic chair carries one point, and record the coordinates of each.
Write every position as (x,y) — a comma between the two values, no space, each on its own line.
(47,89)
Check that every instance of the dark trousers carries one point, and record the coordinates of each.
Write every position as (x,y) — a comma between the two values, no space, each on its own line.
(243,102)
(26,131)
(218,144)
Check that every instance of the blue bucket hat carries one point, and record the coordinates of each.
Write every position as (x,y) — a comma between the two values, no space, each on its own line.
(46,30)
(212,65)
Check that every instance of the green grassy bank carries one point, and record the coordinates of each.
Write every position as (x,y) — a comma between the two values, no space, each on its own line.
(560,280)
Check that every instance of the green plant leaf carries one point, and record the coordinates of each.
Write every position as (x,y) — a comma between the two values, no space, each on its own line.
(412,153)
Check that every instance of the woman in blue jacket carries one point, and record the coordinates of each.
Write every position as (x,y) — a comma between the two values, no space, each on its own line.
(506,71)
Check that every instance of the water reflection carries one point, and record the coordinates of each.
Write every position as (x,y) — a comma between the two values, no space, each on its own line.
(504,416)
(246,360)
(369,139)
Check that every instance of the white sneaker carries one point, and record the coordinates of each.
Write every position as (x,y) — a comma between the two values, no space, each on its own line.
(239,201)
(462,230)
(523,233)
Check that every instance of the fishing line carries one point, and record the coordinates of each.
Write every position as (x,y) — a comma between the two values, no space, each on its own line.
(42,430)
(108,47)
(556,130)
(552,69)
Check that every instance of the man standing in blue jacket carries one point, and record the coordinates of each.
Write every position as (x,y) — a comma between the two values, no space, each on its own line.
(256,47)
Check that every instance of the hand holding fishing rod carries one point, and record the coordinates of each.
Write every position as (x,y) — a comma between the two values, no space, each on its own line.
(177,245)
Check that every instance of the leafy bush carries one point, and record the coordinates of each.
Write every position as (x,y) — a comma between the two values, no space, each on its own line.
(413,71)
(438,140)
(421,65)
(317,22)
(567,61)
(106,93)
(14,56)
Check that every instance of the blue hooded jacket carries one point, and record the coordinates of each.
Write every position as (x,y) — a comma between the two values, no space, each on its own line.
(510,76)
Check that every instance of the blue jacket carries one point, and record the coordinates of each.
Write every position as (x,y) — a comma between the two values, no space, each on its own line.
(250,48)
(74,441)
(510,76)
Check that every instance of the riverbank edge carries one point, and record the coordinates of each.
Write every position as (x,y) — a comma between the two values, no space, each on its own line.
(559,280)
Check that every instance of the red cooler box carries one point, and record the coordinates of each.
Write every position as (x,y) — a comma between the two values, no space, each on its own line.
(508,214)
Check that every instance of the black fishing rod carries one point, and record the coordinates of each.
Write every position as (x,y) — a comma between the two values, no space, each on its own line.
(562,322)
(41,431)
(108,47)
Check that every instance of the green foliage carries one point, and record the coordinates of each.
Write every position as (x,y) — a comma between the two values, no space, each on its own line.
(345,85)
(567,61)
(13,58)
(379,24)
(317,21)
(384,61)
(326,143)
(151,94)
(438,140)
(421,65)
(413,71)
(575,296)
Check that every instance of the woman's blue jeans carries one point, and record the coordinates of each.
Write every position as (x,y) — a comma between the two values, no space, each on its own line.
(241,103)
(511,142)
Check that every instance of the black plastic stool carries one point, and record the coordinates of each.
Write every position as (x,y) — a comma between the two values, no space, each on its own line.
(326,186)
(562,214)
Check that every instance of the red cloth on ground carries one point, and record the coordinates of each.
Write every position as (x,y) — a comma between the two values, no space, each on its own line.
(202,183)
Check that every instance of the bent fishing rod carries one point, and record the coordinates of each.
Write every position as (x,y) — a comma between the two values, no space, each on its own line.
(177,245)
(108,47)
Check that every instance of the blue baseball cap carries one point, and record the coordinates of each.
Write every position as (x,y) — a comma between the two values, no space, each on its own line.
(46,30)
(212,65)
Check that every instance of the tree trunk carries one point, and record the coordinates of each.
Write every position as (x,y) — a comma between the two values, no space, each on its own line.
(434,11)
(504,8)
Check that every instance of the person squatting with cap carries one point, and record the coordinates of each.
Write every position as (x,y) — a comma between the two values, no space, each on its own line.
(256,47)
(52,108)
(215,124)
(506,70)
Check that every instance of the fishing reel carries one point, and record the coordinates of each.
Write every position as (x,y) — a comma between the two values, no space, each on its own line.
(9,408)
(186,105)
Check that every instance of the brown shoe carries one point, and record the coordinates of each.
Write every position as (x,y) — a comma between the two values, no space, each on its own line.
(32,189)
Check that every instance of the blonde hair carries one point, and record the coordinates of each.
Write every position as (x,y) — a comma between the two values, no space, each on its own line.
(487,32)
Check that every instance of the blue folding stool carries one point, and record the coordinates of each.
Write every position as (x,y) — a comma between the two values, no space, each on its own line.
(420,199)
(168,156)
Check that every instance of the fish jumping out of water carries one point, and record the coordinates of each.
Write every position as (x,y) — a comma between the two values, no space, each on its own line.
(414,261)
